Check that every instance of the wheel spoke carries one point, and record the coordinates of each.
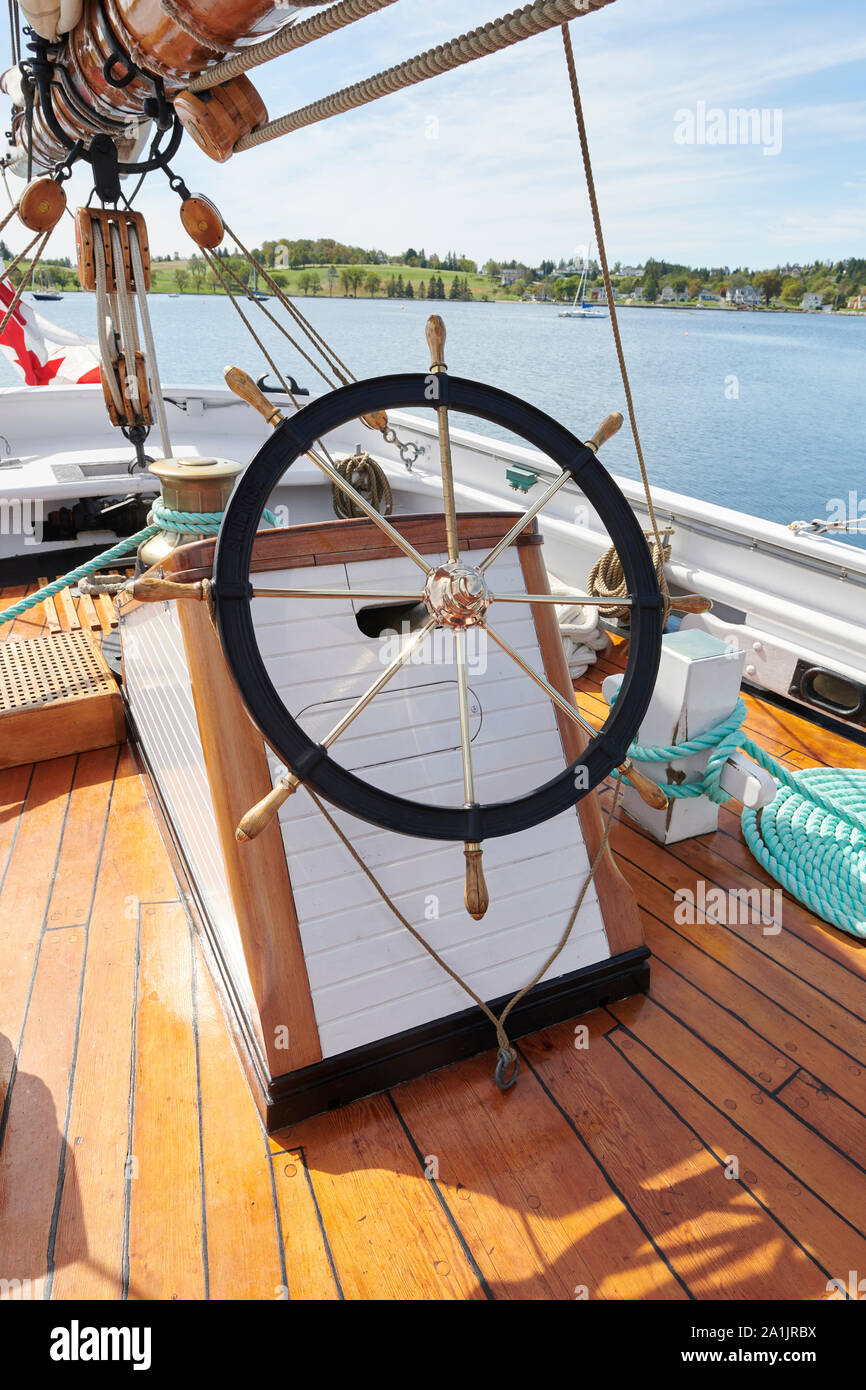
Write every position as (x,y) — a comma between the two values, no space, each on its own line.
(465,727)
(400,659)
(435,331)
(337,593)
(524,520)
(559,700)
(565,599)
(370,511)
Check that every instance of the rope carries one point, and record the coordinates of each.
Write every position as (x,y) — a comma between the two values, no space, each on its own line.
(335,364)
(26,277)
(608,289)
(606,579)
(812,836)
(287,39)
(150,345)
(164,519)
(507,1053)
(363,473)
(490,38)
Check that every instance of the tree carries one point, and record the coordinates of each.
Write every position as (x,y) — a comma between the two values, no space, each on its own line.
(680,285)
(650,288)
(694,288)
(181,278)
(769,284)
(332,275)
(372,283)
(454,291)
(307,281)
(792,291)
(196,273)
(346,280)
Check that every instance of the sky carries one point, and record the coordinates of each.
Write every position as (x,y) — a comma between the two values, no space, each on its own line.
(485,160)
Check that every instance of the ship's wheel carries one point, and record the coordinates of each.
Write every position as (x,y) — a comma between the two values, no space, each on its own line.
(458,594)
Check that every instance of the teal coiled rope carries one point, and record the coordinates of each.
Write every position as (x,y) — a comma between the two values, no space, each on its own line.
(164,519)
(812,836)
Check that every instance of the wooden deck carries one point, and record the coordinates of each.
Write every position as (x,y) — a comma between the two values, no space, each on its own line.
(708,1143)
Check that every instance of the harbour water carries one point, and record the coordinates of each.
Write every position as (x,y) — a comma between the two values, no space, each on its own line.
(759,412)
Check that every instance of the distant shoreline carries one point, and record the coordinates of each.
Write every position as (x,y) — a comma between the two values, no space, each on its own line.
(537,303)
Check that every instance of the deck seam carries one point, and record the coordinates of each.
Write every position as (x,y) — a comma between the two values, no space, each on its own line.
(70,1085)
(818,922)
(18,821)
(198,1097)
(611,1184)
(690,1127)
(301,1152)
(449,1215)
(763,995)
(4,1114)
(736,937)
(127,1193)
(727,1114)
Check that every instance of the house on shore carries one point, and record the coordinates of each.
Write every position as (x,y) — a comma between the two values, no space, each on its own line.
(858,302)
(811,301)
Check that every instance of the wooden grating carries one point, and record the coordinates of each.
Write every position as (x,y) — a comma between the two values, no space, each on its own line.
(43,670)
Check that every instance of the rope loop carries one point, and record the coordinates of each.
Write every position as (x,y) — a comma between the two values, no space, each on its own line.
(361,471)
(506,1057)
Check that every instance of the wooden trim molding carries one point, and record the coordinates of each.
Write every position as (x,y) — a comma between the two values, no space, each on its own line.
(332,543)
(619,908)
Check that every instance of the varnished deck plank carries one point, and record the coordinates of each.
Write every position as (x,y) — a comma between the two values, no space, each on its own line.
(533,1204)
(715,1236)
(245,1258)
(132,868)
(390,1235)
(166,1258)
(808,1157)
(604,1170)
(832,1242)
(33,1133)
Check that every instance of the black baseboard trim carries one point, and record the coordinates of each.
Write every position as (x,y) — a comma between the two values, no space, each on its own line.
(376,1066)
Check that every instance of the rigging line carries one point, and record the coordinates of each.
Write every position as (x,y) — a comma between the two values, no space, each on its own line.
(275,321)
(13,209)
(614,323)
(337,366)
(213,262)
(26,277)
(489,38)
(147,333)
(285,40)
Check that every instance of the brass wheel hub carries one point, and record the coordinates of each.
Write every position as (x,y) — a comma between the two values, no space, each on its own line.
(456,595)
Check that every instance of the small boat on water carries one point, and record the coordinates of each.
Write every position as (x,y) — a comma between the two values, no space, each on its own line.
(581,308)
(430,865)
(45,288)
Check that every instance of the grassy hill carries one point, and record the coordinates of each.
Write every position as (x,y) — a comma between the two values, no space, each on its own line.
(292,281)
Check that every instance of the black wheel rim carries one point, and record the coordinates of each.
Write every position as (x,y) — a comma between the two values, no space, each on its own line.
(232,597)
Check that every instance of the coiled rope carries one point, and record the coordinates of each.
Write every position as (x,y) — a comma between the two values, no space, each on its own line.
(164,519)
(811,838)
(363,473)
(606,578)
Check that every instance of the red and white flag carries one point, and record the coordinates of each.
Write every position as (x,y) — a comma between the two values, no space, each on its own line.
(40,350)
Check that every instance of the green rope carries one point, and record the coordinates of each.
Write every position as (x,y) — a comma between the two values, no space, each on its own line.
(164,519)
(811,838)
